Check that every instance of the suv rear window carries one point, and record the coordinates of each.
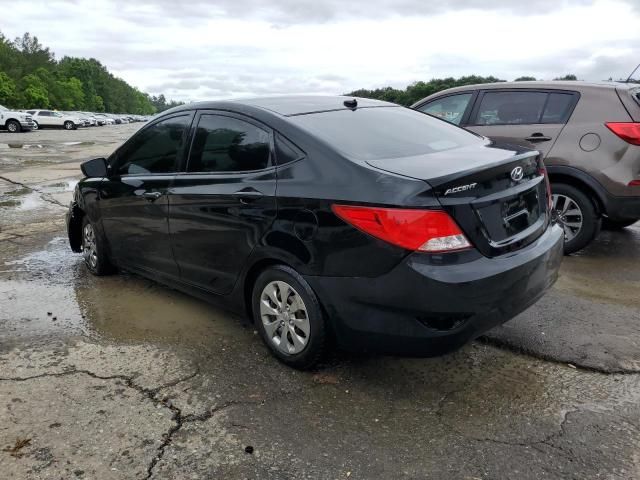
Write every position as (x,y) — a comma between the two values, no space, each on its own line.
(370,133)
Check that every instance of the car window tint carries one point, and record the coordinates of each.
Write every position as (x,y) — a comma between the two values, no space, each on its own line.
(557,109)
(384,132)
(510,108)
(286,151)
(154,149)
(450,108)
(225,144)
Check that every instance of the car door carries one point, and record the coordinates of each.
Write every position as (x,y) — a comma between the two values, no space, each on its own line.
(44,118)
(133,200)
(533,116)
(224,202)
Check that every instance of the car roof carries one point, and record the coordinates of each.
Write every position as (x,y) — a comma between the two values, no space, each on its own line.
(286,105)
(577,85)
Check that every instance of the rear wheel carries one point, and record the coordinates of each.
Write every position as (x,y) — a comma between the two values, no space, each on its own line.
(35,125)
(13,126)
(69,125)
(577,215)
(609,224)
(288,316)
(94,251)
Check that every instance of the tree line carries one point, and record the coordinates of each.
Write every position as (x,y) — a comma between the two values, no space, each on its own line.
(31,77)
(418,90)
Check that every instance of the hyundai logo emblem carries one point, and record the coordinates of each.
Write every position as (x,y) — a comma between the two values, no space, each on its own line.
(517,174)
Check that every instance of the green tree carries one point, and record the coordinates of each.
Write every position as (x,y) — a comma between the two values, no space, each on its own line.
(35,92)
(567,77)
(525,79)
(7,90)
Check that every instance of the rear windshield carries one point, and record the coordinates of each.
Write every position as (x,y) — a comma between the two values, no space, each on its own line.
(384,132)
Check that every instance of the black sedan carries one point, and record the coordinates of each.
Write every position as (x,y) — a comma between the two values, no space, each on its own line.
(326,219)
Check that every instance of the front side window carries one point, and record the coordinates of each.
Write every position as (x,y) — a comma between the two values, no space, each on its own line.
(450,108)
(510,108)
(155,149)
(226,144)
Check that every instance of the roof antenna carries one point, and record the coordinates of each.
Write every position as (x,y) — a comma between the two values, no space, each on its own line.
(353,103)
(630,75)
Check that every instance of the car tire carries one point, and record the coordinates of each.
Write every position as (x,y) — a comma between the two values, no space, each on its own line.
(577,214)
(288,315)
(35,126)
(13,126)
(94,250)
(608,224)
(69,125)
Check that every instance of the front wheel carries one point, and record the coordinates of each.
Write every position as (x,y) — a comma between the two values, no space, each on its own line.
(93,250)
(288,316)
(577,215)
(13,126)
(69,125)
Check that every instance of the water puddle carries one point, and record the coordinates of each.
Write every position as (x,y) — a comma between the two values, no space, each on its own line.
(28,146)
(50,292)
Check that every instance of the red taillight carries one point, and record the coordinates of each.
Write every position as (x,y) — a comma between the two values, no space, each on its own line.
(543,172)
(628,131)
(425,230)
(634,183)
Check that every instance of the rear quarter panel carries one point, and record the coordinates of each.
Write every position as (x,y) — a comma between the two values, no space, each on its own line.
(587,144)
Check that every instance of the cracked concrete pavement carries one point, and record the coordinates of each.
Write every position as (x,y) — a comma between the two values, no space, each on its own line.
(117,377)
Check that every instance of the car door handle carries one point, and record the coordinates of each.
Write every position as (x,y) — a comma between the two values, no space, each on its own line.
(152,196)
(538,137)
(248,195)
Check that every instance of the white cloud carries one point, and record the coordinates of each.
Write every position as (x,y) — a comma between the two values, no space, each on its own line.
(254,47)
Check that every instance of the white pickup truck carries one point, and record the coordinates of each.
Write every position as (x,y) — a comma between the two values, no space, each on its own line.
(15,121)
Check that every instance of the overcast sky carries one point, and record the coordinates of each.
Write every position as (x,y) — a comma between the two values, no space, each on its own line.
(198,49)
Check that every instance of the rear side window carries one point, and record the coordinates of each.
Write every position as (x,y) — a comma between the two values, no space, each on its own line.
(558,108)
(226,144)
(384,132)
(450,108)
(155,149)
(510,108)
(286,151)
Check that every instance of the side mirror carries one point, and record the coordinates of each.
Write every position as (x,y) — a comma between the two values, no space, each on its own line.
(94,168)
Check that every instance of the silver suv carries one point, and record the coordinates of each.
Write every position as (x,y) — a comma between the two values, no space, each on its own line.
(588,134)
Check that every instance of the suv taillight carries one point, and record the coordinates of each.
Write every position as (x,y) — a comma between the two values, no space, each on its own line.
(627,131)
(432,231)
(543,172)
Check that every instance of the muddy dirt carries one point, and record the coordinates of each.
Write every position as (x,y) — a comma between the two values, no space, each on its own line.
(117,377)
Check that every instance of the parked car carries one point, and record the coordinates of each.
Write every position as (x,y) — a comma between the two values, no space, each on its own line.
(588,134)
(105,119)
(15,121)
(50,118)
(373,223)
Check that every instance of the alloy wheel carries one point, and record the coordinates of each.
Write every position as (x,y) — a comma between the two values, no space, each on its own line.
(12,127)
(89,247)
(284,317)
(569,216)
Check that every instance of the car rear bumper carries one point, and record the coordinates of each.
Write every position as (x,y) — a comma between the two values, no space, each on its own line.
(623,208)
(429,305)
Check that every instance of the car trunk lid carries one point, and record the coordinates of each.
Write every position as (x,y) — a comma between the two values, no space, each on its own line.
(497,194)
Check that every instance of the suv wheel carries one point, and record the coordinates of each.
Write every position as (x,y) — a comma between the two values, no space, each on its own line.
(35,125)
(577,215)
(13,126)
(93,250)
(69,125)
(288,316)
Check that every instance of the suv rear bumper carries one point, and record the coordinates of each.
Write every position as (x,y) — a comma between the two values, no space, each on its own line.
(623,208)
(429,305)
